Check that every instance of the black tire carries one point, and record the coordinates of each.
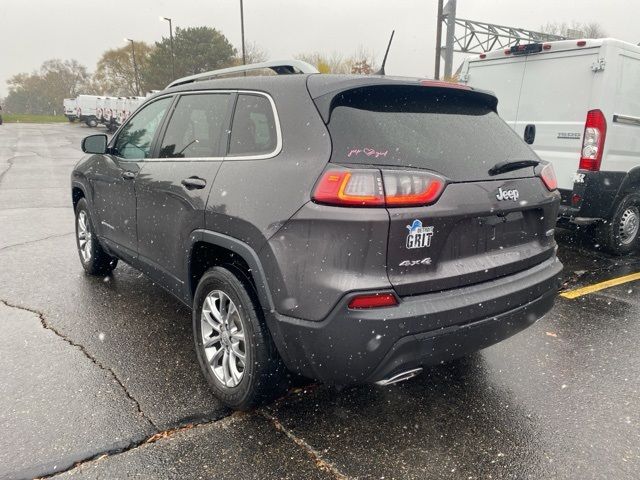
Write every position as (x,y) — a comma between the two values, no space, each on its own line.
(92,123)
(264,376)
(94,259)
(613,237)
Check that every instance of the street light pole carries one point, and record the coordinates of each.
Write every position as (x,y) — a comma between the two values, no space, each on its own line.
(436,74)
(135,65)
(244,54)
(173,55)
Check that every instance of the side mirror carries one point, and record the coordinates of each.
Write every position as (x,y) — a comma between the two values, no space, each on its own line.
(95,144)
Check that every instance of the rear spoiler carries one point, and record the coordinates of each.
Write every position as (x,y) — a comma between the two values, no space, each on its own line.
(325,94)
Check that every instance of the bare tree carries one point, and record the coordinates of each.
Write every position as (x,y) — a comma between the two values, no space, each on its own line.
(362,62)
(42,91)
(574,29)
(254,53)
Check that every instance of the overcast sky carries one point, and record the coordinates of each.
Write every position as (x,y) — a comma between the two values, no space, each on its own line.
(37,30)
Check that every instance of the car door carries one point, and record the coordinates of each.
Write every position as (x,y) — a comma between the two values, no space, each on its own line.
(172,190)
(113,178)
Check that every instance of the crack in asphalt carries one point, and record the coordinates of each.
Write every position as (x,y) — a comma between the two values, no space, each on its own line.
(10,162)
(315,456)
(179,426)
(47,326)
(159,435)
(28,242)
(320,462)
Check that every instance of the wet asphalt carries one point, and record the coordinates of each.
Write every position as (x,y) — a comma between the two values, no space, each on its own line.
(99,378)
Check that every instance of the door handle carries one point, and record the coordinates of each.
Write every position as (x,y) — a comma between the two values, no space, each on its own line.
(127,175)
(193,183)
(530,133)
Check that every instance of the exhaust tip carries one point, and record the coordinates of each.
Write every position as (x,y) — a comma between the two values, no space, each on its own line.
(399,377)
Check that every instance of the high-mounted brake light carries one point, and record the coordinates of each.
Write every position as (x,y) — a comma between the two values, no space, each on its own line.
(367,188)
(548,176)
(595,132)
(438,83)
(376,300)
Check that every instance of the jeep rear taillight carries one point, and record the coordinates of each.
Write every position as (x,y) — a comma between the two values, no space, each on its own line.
(350,188)
(595,131)
(548,176)
(408,189)
(368,188)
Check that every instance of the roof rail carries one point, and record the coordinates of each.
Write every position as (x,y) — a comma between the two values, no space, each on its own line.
(281,67)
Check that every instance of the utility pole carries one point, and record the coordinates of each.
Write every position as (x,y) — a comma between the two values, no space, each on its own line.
(173,55)
(436,73)
(135,65)
(449,12)
(244,54)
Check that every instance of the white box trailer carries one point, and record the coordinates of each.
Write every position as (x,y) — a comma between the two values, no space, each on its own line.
(70,106)
(86,109)
(577,103)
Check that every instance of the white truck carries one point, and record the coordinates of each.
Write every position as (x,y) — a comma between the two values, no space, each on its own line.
(86,109)
(70,107)
(577,103)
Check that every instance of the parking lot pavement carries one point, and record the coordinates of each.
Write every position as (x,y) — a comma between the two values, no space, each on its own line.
(102,371)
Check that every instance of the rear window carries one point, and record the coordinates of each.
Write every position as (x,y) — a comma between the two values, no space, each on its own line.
(451,133)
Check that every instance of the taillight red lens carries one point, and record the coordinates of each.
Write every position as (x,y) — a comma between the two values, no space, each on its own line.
(595,131)
(408,189)
(376,300)
(366,188)
(356,188)
(548,176)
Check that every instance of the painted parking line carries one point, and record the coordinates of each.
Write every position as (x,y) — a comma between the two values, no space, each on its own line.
(579,292)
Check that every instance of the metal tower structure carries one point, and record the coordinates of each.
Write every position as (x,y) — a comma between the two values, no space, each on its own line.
(471,36)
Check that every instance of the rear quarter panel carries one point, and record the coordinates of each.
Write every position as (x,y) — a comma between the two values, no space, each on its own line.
(252,199)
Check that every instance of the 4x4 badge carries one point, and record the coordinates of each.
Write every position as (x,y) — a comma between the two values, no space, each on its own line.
(419,236)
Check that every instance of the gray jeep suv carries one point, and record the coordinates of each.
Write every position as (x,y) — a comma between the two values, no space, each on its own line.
(345,228)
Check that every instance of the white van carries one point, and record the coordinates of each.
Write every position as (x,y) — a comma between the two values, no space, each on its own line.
(100,102)
(577,103)
(70,109)
(86,109)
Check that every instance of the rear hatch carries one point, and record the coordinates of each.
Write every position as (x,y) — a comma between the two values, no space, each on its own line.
(482,225)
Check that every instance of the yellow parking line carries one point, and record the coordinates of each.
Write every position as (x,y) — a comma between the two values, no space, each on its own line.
(579,292)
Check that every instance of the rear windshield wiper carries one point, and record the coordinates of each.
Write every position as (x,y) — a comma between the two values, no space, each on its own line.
(503,167)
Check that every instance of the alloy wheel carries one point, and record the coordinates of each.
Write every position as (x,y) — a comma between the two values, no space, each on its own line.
(223,338)
(84,236)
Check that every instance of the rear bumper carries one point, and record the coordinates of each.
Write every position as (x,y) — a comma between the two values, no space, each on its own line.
(353,346)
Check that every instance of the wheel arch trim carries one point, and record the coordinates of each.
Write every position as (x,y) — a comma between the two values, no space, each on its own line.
(245,251)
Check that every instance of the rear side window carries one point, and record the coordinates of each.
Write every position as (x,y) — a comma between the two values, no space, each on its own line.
(451,133)
(195,127)
(253,131)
